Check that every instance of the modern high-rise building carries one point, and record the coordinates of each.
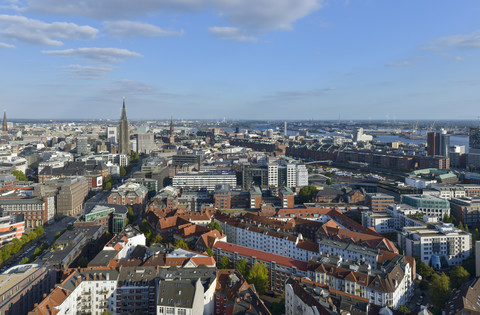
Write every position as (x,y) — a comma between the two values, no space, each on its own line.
(438,143)
(124,136)
(112,134)
(82,145)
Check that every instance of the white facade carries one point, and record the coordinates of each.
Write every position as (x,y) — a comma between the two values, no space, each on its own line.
(112,134)
(295,305)
(208,181)
(291,175)
(444,241)
(418,182)
(302,175)
(272,175)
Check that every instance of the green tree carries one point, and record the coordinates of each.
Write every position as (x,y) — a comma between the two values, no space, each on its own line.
(24,260)
(439,289)
(460,226)
(215,226)
(130,214)
(108,186)
(307,193)
(134,158)
(210,252)
(447,219)
(258,276)
(424,270)
(328,181)
(19,175)
(123,171)
(156,239)
(242,267)
(458,275)
(225,263)
(181,244)
(403,309)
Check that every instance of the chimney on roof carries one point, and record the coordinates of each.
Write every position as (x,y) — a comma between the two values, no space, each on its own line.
(44,295)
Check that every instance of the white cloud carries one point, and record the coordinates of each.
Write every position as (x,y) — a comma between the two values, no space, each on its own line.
(95,53)
(463,41)
(121,29)
(230,33)
(131,87)
(248,14)
(5,45)
(404,63)
(87,72)
(15,27)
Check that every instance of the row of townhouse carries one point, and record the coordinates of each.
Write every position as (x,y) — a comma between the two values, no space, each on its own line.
(266,238)
(133,290)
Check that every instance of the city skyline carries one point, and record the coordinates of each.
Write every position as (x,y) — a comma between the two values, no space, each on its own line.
(277,60)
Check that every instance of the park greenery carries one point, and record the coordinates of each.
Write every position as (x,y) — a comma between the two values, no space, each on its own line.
(16,245)
(225,263)
(256,275)
(150,236)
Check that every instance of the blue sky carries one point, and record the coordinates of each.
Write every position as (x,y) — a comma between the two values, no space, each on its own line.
(240,59)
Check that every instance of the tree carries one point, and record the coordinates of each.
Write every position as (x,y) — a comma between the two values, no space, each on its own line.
(224,263)
(447,219)
(439,289)
(258,276)
(134,158)
(458,275)
(424,270)
(123,171)
(328,181)
(242,267)
(19,175)
(181,244)
(215,226)
(130,214)
(460,226)
(306,193)
(156,239)
(403,309)
(108,186)
(24,260)
(210,252)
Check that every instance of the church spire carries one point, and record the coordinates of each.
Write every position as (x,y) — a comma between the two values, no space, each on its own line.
(4,126)
(172,134)
(124,111)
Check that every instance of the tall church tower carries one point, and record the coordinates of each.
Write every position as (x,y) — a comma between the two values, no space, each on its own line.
(4,126)
(172,134)
(123,133)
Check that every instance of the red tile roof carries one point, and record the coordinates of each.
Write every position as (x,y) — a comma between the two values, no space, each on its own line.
(261,255)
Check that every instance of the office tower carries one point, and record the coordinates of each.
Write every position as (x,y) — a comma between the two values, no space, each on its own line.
(438,143)
(145,142)
(444,144)
(4,126)
(124,137)
(172,135)
(112,132)
(82,145)
(433,143)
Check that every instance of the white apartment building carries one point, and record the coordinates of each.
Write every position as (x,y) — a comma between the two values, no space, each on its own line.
(272,175)
(436,244)
(126,242)
(291,175)
(449,191)
(395,218)
(302,175)
(266,240)
(207,180)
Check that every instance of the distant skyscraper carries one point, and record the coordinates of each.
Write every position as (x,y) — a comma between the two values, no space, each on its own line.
(433,143)
(4,126)
(172,134)
(285,129)
(124,135)
(438,143)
